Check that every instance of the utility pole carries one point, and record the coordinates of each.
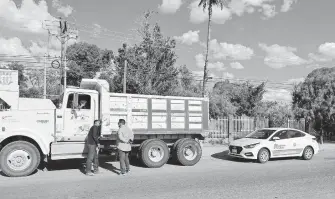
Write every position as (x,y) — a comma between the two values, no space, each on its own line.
(125,77)
(45,78)
(125,69)
(64,36)
(45,68)
(45,61)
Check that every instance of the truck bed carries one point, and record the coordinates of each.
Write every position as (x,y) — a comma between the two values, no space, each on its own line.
(149,115)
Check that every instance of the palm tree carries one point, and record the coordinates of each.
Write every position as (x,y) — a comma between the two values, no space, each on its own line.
(210,4)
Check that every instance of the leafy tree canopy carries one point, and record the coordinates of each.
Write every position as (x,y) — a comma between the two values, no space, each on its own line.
(315,97)
(151,63)
(276,112)
(85,60)
(235,98)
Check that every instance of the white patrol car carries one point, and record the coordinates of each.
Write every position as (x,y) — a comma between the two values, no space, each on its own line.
(267,143)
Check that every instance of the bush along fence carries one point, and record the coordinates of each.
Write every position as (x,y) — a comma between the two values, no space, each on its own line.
(328,134)
(233,127)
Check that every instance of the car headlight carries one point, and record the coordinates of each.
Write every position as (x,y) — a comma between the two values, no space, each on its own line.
(250,146)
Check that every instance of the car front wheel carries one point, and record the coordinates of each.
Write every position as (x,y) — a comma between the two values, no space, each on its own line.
(263,156)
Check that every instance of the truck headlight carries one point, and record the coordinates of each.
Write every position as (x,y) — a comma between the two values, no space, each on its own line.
(250,146)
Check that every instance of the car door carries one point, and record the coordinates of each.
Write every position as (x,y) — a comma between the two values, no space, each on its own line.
(283,146)
(298,142)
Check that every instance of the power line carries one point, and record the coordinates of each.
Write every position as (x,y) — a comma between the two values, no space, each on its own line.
(117,34)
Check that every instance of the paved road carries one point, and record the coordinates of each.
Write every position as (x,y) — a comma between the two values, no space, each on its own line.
(215,176)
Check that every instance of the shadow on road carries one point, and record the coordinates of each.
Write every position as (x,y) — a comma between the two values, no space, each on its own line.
(110,163)
(224,156)
(80,164)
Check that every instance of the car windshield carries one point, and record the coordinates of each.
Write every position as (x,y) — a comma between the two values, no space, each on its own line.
(261,134)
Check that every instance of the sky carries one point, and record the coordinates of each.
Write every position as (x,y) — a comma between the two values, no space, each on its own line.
(278,41)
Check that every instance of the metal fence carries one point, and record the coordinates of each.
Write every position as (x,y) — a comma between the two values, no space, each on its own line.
(235,127)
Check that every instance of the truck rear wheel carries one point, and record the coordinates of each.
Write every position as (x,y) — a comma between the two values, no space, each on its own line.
(188,152)
(19,159)
(174,149)
(154,153)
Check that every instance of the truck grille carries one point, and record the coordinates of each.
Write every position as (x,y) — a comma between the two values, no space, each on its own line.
(239,149)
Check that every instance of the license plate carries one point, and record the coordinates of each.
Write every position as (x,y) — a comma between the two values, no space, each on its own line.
(234,151)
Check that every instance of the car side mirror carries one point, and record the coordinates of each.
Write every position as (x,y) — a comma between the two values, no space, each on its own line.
(275,138)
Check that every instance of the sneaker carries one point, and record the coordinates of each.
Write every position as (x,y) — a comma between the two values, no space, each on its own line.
(122,174)
(128,171)
(96,172)
(90,174)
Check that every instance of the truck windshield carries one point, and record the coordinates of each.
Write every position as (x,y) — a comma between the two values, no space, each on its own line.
(261,134)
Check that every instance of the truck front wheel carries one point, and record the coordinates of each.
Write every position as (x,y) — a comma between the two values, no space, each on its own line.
(188,152)
(19,159)
(154,154)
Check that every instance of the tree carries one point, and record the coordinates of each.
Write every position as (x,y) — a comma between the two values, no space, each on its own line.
(276,112)
(32,92)
(21,76)
(236,98)
(84,61)
(210,4)
(31,81)
(220,106)
(151,62)
(314,99)
(187,85)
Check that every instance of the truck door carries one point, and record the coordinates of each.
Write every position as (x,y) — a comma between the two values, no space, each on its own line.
(80,113)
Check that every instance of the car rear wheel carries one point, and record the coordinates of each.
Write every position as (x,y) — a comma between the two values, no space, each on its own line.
(263,156)
(308,153)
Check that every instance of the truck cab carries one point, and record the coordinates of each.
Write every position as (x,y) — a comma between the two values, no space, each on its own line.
(76,114)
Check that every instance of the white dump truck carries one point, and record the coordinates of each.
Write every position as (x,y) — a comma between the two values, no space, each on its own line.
(34,131)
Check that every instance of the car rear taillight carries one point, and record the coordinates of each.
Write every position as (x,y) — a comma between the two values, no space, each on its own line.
(314,139)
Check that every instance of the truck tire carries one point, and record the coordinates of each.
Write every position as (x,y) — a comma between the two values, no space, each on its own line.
(141,146)
(19,158)
(188,152)
(174,149)
(154,154)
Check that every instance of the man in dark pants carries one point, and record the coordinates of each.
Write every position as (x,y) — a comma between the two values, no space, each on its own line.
(93,147)
(124,138)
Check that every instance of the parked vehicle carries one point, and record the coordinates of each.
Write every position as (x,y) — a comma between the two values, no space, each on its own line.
(267,143)
(34,130)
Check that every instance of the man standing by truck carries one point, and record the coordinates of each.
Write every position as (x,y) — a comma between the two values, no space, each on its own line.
(93,148)
(124,138)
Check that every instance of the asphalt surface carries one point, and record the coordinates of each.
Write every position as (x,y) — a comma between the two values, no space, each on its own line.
(215,176)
